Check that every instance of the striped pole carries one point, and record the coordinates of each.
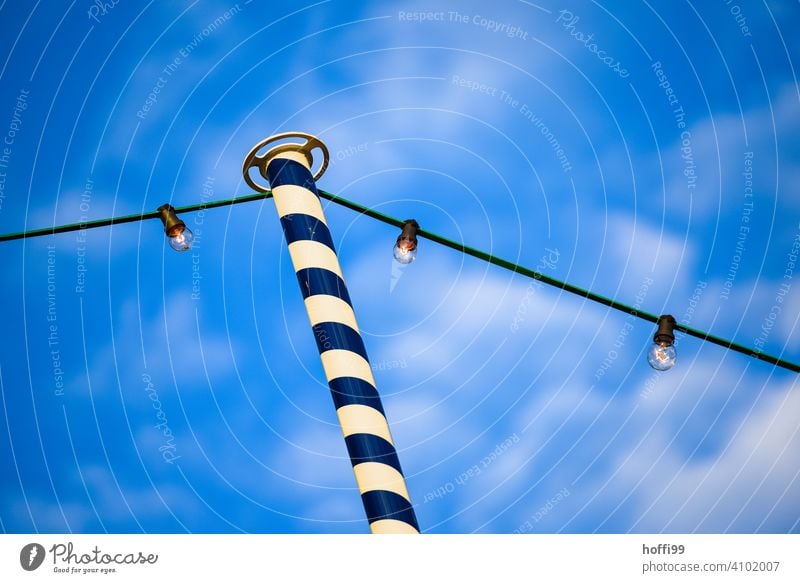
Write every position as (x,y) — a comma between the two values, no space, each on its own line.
(287,168)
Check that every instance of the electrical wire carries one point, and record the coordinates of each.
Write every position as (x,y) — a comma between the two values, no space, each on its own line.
(129,218)
(471,251)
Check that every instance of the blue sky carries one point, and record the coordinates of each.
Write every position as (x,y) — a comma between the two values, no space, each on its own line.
(650,154)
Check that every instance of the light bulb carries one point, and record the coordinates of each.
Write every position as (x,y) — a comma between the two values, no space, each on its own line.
(405,249)
(178,234)
(662,356)
(180,239)
(404,252)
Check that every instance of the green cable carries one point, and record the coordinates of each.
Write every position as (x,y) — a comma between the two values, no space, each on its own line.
(568,287)
(477,253)
(130,218)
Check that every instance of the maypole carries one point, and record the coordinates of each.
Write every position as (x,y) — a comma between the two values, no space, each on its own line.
(287,168)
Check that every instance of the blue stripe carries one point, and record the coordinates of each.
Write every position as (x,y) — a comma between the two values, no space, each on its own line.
(353,391)
(299,227)
(337,336)
(281,171)
(382,504)
(316,281)
(366,447)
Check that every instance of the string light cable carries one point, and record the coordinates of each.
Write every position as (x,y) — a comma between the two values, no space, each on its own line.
(431,236)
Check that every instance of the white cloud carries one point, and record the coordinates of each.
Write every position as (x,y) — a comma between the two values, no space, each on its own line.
(752,482)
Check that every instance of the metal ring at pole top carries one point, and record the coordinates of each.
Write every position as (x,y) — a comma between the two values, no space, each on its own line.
(254,160)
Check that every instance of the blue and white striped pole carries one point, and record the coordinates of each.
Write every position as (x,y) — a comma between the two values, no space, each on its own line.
(287,168)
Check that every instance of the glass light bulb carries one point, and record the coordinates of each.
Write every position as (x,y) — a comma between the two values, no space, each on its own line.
(182,240)
(662,357)
(404,252)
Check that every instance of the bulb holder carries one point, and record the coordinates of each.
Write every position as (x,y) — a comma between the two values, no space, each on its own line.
(665,335)
(172,224)
(408,236)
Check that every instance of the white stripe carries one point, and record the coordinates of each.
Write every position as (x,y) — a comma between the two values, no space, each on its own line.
(391,526)
(306,254)
(346,363)
(325,308)
(294,155)
(296,200)
(363,419)
(378,476)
